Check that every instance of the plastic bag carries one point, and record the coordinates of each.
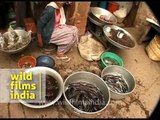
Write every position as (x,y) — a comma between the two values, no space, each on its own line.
(121,13)
(90,49)
(12,37)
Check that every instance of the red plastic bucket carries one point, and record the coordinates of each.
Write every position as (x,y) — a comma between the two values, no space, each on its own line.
(112,6)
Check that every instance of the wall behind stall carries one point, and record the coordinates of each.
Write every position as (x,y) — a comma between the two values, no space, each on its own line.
(77,14)
(143,12)
(37,8)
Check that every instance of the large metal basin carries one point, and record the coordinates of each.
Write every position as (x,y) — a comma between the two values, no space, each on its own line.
(22,33)
(89,78)
(54,74)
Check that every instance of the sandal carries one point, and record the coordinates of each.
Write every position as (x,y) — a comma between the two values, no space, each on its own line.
(64,58)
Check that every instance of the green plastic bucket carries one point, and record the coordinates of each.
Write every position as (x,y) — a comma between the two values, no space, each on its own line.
(111,55)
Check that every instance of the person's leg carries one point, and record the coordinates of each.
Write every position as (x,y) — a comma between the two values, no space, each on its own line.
(65,36)
(62,49)
(66,47)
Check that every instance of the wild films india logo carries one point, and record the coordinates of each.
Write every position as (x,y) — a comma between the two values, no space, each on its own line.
(19,84)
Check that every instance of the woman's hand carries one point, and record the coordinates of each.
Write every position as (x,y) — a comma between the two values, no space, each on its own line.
(40,42)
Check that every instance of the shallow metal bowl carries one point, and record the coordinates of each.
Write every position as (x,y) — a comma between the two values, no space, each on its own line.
(96,12)
(95,20)
(22,33)
(107,34)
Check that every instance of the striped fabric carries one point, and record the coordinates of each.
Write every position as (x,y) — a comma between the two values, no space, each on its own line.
(64,36)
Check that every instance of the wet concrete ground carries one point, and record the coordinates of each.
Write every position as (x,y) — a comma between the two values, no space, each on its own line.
(139,104)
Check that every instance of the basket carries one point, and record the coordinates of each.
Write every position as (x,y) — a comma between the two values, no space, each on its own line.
(153,49)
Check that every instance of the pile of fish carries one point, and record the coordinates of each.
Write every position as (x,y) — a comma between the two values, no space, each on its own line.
(52,88)
(110,61)
(26,65)
(85,96)
(105,18)
(12,41)
(116,83)
(125,40)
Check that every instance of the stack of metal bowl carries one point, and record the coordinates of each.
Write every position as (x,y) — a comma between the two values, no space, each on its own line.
(96,12)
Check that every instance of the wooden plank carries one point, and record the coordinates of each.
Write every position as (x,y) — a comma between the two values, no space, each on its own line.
(4,113)
(16,110)
(49,112)
(62,112)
